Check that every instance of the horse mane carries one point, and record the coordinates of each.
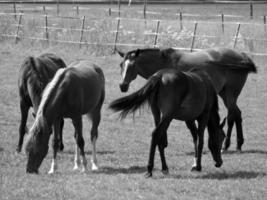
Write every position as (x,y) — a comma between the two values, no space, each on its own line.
(48,91)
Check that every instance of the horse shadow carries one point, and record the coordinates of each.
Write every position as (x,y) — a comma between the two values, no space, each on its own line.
(88,152)
(250,151)
(235,175)
(230,152)
(122,170)
(223,175)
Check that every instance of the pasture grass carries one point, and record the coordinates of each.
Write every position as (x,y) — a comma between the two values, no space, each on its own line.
(123,146)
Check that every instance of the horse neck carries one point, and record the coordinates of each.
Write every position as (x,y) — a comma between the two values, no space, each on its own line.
(214,121)
(149,63)
(49,107)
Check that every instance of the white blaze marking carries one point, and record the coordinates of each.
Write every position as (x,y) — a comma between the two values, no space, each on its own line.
(126,65)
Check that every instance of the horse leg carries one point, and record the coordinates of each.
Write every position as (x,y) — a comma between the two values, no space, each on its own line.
(228,102)
(24,108)
(239,129)
(95,117)
(200,141)
(157,134)
(164,140)
(230,123)
(193,130)
(61,145)
(77,123)
(55,145)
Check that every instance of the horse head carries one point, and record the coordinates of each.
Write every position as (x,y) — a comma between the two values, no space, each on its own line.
(36,145)
(128,68)
(215,144)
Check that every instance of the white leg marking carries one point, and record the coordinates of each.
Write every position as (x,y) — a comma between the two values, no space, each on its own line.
(94,160)
(76,158)
(126,64)
(195,162)
(53,167)
(84,164)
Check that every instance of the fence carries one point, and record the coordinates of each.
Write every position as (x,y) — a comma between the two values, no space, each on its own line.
(82,30)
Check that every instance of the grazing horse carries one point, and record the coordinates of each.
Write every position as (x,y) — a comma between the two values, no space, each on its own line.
(34,74)
(76,90)
(227,68)
(186,96)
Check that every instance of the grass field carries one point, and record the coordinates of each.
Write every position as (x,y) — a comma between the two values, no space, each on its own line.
(123,146)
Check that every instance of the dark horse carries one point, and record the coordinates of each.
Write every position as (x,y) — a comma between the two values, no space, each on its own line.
(186,96)
(34,74)
(227,68)
(76,90)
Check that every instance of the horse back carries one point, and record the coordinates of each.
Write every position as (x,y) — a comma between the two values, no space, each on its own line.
(38,71)
(183,94)
(83,87)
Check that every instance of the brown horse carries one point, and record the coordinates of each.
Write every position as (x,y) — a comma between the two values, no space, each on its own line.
(34,74)
(227,68)
(186,96)
(74,91)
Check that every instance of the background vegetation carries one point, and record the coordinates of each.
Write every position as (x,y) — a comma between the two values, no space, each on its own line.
(123,146)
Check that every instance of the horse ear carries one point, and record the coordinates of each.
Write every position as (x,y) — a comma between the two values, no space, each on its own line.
(223,123)
(137,52)
(120,53)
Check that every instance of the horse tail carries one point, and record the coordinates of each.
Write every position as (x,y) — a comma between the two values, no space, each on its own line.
(247,65)
(130,103)
(251,67)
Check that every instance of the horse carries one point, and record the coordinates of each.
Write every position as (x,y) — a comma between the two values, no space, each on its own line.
(185,96)
(74,91)
(227,68)
(34,74)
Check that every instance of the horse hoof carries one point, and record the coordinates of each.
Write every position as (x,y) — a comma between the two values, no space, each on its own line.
(218,164)
(165,171)
(94,168)
(238,150)
(148,175)
(18,149)
(75,168)
(61,147)
(196,169)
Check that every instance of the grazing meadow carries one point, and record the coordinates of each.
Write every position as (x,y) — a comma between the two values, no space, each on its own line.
(123,146)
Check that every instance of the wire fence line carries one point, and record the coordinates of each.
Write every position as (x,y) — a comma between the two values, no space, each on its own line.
(18,8)
(180,19)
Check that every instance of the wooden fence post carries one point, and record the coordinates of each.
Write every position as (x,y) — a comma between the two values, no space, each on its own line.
(15,10)
(83,21)
(264,23)
(116,36)
(44,10)
(194,36)
(145,4)
(77,10)
(156,36)
(181,21)
(222,23)
(46,29)
(251,10)
(19,24)
(236,35)
(119,7)
(57,7)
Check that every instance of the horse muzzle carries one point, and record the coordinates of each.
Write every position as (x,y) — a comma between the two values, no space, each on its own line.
(31,171)
(218,164)
(124,87)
